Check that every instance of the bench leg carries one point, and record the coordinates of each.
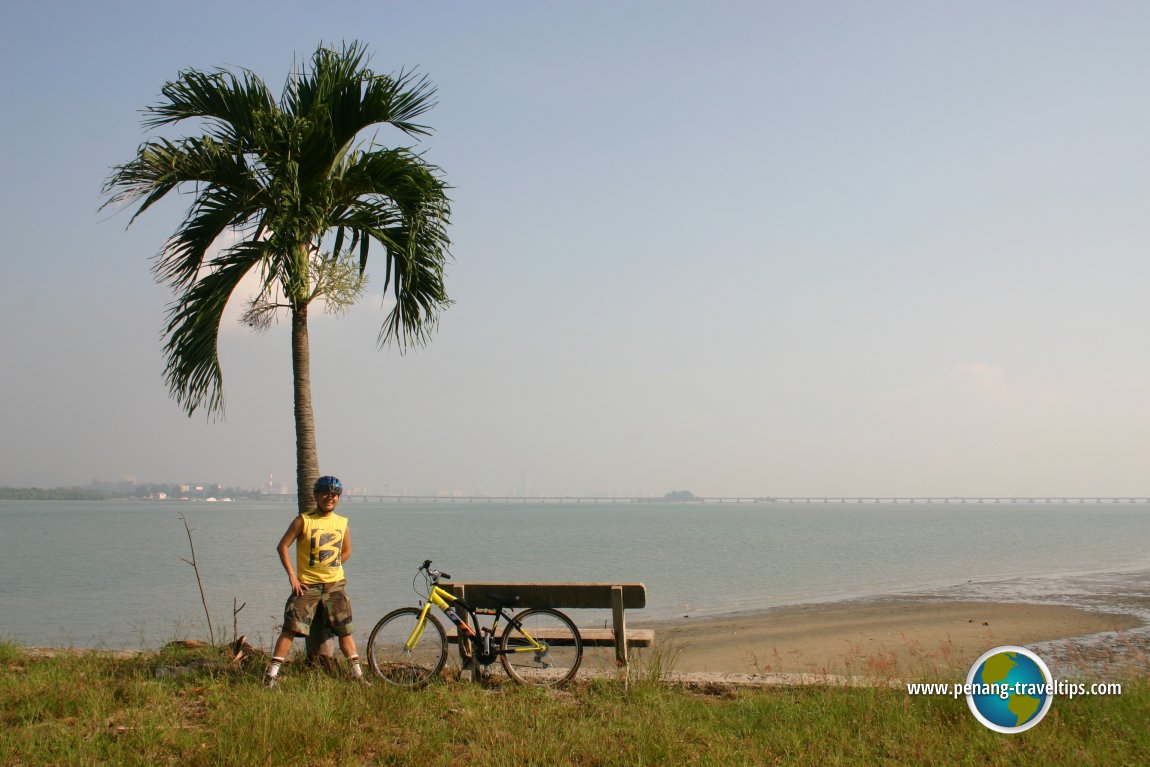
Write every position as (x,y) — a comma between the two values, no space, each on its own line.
(619,625)
(468,667)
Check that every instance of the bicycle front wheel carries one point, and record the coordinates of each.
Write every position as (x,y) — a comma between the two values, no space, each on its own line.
(541,647)
(393,661)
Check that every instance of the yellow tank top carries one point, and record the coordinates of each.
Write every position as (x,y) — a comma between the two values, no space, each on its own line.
(318,551)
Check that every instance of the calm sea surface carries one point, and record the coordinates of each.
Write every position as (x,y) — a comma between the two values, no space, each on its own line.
(111,574)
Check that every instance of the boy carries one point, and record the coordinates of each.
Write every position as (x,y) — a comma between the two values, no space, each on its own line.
(322,545)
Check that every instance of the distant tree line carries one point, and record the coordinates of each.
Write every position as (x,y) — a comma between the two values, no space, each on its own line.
(179,490)
(102,491)
(50,494)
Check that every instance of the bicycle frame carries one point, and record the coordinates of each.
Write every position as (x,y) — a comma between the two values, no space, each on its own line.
(444,600)
(402,652)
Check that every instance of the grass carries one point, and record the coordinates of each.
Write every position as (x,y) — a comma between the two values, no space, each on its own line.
(93,708)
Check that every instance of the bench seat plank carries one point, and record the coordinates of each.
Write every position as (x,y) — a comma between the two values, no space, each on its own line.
(616,597)
(558,595)
(590,637)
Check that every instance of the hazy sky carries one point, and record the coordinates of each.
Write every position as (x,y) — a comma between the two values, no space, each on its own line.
(740,248)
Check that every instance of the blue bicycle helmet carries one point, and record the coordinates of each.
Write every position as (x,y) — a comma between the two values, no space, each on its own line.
(329,484)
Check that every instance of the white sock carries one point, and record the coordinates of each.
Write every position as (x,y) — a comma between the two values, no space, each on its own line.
(356,669)
(274,669)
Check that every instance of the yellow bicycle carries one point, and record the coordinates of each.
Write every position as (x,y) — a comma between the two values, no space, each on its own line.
(408,647)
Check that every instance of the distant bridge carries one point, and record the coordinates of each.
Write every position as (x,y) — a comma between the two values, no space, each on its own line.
(594,499)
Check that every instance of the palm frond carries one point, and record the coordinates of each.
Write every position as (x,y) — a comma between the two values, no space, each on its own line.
(192,369)
(232,104)
(215,211)
(161,165)
(338,97)
(394,198)
(229,195)
(405,97)
(417,250)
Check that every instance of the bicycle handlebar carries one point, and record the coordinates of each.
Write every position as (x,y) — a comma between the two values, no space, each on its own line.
(436,573)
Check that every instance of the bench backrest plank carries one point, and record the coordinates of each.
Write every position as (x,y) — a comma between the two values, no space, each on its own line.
(558,595)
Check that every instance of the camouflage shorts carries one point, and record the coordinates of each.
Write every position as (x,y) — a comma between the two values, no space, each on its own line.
(300,611)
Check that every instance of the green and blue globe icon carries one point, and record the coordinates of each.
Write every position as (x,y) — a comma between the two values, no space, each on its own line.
(1011,689)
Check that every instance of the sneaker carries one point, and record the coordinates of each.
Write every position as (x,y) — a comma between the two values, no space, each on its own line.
(362,680)
(271,682)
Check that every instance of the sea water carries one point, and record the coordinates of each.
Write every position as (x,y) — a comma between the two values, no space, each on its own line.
(119,574)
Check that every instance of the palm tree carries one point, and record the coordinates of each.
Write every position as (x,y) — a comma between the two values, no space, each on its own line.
(301,191)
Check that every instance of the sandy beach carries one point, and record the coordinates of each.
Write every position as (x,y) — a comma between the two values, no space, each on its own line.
(871,637)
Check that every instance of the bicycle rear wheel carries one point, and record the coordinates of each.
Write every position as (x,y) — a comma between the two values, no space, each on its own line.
(393,662)
(562,648)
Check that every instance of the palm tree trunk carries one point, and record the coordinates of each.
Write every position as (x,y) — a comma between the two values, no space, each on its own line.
(306,457)
(320,641)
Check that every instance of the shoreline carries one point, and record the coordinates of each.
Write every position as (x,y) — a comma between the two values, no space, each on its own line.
(874,636)
(1090,623)
(867,639)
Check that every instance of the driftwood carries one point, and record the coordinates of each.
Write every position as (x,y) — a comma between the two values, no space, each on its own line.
(238,654)
(188,644)
(242,652)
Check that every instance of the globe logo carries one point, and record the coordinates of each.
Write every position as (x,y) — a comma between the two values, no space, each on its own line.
(1010,689)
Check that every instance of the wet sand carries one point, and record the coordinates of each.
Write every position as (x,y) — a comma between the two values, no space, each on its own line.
(869,637)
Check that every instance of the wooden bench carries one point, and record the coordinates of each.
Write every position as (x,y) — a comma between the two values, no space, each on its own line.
(616,597)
